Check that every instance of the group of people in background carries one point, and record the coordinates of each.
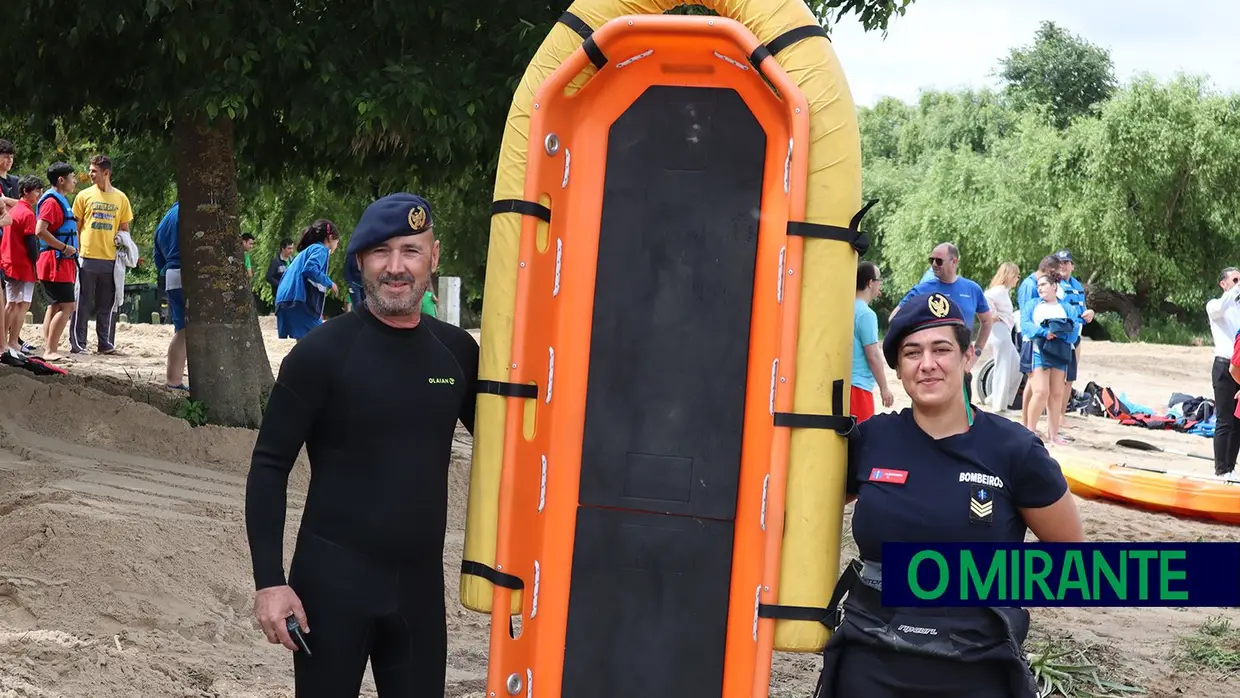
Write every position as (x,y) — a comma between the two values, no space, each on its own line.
(298,276)
(76,248)
(1036,342)
(77,252)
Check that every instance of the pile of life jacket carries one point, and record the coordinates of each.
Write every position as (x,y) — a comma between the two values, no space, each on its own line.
(1189,414)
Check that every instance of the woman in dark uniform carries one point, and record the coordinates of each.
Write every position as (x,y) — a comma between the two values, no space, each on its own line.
(937,473)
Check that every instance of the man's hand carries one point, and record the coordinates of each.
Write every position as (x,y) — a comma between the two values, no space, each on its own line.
(1050,335)
(1088,315)
(888,398)
(272,606)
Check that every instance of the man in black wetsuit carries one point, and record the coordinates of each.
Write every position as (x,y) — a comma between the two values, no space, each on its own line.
(375,396)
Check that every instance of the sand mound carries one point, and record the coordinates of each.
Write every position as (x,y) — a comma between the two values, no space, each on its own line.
(115,550)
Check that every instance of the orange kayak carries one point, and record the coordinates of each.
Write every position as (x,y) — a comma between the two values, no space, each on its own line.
(1173,492)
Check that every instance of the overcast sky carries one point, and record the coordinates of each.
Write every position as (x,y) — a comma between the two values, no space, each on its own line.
(945,44)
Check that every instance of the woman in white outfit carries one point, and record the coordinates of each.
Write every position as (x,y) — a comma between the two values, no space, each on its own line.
(1005,377)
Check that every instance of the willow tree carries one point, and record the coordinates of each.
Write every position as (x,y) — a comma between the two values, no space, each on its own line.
(384,90)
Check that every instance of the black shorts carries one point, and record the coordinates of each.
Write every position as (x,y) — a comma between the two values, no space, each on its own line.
(1026,357)
(57,292)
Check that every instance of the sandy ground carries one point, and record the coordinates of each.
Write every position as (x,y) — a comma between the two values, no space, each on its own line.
(124,569)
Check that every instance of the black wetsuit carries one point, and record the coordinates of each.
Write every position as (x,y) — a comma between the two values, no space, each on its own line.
(376,408)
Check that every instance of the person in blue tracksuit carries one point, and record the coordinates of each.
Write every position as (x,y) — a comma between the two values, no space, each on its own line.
(1073,294)
(1026,298)
(1052,327)
(168,264)
(304,288)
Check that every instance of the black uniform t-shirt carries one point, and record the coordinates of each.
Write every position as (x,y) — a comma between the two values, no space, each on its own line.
(968,487)
(376,408)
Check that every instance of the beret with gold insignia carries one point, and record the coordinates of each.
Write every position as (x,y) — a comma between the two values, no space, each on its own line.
(395,215)
(919,313)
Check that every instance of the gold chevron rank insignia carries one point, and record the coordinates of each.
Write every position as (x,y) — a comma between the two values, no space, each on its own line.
(981,505)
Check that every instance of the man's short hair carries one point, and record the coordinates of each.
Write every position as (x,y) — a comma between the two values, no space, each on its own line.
(1227,272)
(1049,264)
(285,242)
(58,170)
(247,236)
(952,252)
(103,162)
(6,146)
(28,184)
(866,272)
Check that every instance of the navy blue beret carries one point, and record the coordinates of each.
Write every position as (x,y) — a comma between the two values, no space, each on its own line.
(919,313)
(395,215)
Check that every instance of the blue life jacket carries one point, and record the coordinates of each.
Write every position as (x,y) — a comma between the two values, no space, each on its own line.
(67,233)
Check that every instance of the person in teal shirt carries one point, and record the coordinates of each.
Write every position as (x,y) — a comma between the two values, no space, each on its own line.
(867,360)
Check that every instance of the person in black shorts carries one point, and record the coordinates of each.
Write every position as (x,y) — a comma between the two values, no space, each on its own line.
(375,396)
(938,473)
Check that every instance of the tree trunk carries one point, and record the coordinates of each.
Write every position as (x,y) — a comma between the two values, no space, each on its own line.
(1103,300)
(228,366)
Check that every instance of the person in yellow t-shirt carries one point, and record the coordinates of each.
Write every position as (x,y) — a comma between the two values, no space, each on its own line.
(102,211)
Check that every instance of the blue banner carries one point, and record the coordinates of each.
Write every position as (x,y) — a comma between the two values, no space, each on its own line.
(1061,574)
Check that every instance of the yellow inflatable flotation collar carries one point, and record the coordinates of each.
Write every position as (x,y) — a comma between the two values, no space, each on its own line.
(586,510)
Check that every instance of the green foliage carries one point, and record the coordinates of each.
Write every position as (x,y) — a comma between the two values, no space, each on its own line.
(191,410)
(1061,72)
(1143,189)
(1215,646)
(1158,330)
(1063,668)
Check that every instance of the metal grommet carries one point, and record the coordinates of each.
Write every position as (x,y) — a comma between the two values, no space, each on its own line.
(551,144)
(514,684)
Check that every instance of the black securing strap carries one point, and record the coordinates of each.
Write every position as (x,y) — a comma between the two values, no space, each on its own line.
(831,616)
(525,208)
(843,424)
(851,235)
(494,576)
(576,23)
(523,390)
(808,613)
(783,41)
(583,30)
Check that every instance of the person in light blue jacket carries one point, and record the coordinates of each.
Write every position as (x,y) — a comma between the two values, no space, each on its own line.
(304,287)
(1052,329)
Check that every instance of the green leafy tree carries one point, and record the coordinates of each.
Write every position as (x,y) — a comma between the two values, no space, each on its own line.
(1061,72)
(383,92)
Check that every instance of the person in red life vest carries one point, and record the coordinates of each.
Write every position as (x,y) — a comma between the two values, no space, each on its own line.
(56,266)
(18,251)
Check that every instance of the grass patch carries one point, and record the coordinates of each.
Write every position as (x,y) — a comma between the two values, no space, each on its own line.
(1065,668)
(1214,646)
(1156,330)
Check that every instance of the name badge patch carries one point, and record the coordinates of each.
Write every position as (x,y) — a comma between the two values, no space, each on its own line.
(981,505)
(895,477)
